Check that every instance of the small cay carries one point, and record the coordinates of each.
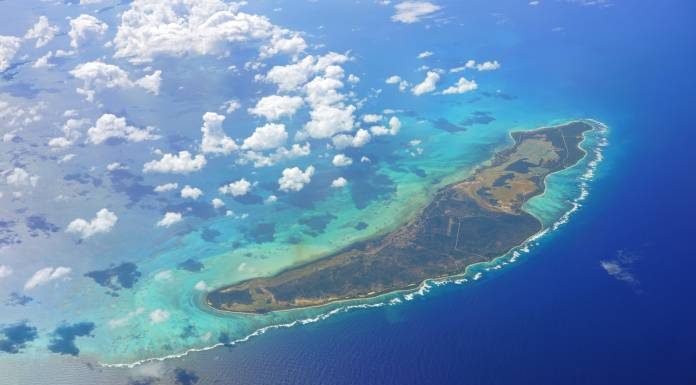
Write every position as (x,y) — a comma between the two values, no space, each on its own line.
(470,221)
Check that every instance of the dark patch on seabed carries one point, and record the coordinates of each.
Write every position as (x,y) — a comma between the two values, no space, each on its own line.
(209,235)
(16,299)
(198,209)
(39,224)
(261,233)
(16,336)
(127,183)
(190,265)
(63,338)
(123,276)
(316,224)
(446,125)
(185,377)
(367,185)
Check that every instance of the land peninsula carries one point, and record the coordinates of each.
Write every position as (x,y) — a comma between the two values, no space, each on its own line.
(473,220)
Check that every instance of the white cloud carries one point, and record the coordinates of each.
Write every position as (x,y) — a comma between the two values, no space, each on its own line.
(110,126)
(341,160)
(164,275)
(214,139)
(191,192)
(71,133)
(158,316)
(427,85)
(275,107)
(151,83)
(201,286)
(270,199)
(42,62)
(116,166)
(413,11)
(323,90)
(230,106)
(182,163)
(9,45)
(280,154)
(102,223)
(266,137)
(5,271)
(19,177)
(371,118)
(353,79)
(166,187)
(361,138)
(463,85)
(485,66)
(394,79)
(42,31)
(294,179)
(393,129)
(45,275)
(217,203)
(425,54)
(84,25)
(183,27)
(237,188)
(169,219)
(123,321)
(97,75)
(339,182)
(326,121)
(290,77)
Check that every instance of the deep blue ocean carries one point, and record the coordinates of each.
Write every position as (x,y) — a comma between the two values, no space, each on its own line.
(557,317)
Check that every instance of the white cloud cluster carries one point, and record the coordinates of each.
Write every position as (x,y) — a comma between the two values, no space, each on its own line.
(425,54)
(341,160)
(191,192)
(294,179)
(266,137)
(83,26)
(413,11)
(103,222)
(9,45)
(485,66)
(463,85)
(275,107)
(179,27)
(42,31)
(19,177)
(181,163)
(97,75)
(339,182)
(292,76)
(237,188)
(396,79)
(361,138)
(427,85)
(393,129)
(280,154)
(5,271)
(166,187)
(159,316)
(46,275)
(169,219)
(215,141)
(110,126)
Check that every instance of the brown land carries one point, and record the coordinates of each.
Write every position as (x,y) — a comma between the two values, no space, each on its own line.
(470,221)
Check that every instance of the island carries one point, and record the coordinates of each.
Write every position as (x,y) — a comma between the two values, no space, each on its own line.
(473,220)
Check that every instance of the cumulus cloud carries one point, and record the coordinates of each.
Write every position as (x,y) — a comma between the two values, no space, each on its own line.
(150,28)
(485,66)
(275,107)
(191,192)
(42,62)
(280,154)
(110,126)
(42,31)
(427,85)
(182,163)
(217,203)
(361,138)
(341,160)
(425,54)
(237,188)
(71,133)
(102,223)
(327,121)
(97,75)
(19,177)
(463,85)
(9,45)
(290,77)
(83,26)
(266,137)
(166,187)
(339,182)
(393,129)
(620,267)
(413,11)
(230,106)
(159,316)
(371,118)
(294,179)
(394,79)
(46,275)
(169,219)
(215,141)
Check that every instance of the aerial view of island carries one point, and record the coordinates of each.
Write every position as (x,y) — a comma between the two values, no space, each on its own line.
(470,221)
(347,192)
